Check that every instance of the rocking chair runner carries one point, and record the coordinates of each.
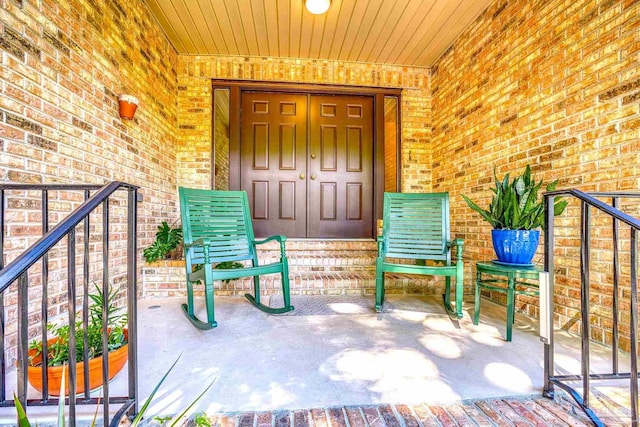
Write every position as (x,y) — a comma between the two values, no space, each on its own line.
(416,226)
(217,227)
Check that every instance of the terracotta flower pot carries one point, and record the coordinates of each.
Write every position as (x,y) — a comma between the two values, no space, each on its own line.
(117,359)
(128,105)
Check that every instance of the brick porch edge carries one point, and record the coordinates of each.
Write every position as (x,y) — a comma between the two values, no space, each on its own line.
(536,411)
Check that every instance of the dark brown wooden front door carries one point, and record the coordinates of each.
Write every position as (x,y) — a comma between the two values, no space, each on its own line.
(340,166)
(307,164)
(273,153)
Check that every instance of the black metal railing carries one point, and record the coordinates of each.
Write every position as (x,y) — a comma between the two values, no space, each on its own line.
(37,258)
(589,202)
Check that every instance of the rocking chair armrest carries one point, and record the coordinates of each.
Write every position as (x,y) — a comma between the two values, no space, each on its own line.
(205,242)
(459,244)
(279,238)
(381,245)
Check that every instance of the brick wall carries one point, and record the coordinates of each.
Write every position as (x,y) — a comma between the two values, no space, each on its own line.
(63,64)
(554,84)
(195,101)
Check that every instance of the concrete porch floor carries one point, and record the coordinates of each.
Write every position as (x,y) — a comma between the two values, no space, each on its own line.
(412,356)
(415,353)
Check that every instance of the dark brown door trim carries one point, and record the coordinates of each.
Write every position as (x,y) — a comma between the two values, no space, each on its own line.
(235,105)
(305,88)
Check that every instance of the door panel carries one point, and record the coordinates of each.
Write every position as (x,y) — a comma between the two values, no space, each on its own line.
(273,161)
(340,166)
(315,184)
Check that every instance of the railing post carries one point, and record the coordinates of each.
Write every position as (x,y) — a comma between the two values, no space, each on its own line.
(633,327)
(132,297)
(44,305)
(23,343)
(85,302)
(71,306)
(105,308)
(549,268)
(3,371)
(615,343)
(585,242)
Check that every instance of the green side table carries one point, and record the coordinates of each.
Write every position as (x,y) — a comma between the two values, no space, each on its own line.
(506,279)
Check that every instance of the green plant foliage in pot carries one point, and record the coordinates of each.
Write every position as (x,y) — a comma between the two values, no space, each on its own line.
(59,351)
(516,213)
(167,244)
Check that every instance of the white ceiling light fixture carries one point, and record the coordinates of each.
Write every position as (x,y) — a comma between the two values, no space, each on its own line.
(317,7)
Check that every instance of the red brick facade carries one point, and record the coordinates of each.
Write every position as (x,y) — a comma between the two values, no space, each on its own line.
(554,84)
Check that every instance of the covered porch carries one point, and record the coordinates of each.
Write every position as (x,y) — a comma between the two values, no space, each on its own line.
(487,87)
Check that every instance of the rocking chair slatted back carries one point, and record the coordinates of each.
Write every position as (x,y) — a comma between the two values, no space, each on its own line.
(416,226)
(223,218)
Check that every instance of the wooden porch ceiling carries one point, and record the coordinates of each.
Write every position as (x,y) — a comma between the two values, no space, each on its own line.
(402,32)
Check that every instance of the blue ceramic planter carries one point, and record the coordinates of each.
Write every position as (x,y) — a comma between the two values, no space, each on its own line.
(515,246)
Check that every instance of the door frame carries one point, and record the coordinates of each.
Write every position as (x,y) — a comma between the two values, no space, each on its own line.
(236,87)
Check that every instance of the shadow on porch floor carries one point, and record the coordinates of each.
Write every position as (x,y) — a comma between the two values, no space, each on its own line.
(410,366)
(412,353)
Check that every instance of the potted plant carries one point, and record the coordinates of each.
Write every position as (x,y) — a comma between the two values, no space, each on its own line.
(516,213)
(168,244)
(58,350)
(127,105)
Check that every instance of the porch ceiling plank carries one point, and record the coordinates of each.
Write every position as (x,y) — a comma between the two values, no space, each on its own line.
(364,29)
(295,28)
(318,32)
(237,25)
(260,26)
(341,26)
(248,17)
(399,32)
(202,26)
(453,26)
(213,24)
(223,22)
(333,15)
(437,19)
(161,9)
(408,29)
(308,22)
(188,26)
(382,29)
(355,21)
(284,12)
(271,15)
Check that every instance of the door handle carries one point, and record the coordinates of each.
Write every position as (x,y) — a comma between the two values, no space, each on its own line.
(313,156)
(313,177)
(302,176)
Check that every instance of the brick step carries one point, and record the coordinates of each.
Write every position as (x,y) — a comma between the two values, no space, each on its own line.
(345,262)
(317,246)
(306,256)
(335,283)
(316,267)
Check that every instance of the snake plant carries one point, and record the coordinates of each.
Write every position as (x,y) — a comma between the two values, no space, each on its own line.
(515,205)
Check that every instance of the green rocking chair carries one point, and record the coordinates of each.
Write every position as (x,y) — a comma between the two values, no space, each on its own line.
(416,226)
(217,228)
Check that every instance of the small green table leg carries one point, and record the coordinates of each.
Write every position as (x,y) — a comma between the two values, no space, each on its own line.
(476,305)
(510,305)
(502,278)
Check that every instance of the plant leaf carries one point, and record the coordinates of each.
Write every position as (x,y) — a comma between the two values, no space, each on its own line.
(179,417)
(61,420)
(23,420)
(136,421)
